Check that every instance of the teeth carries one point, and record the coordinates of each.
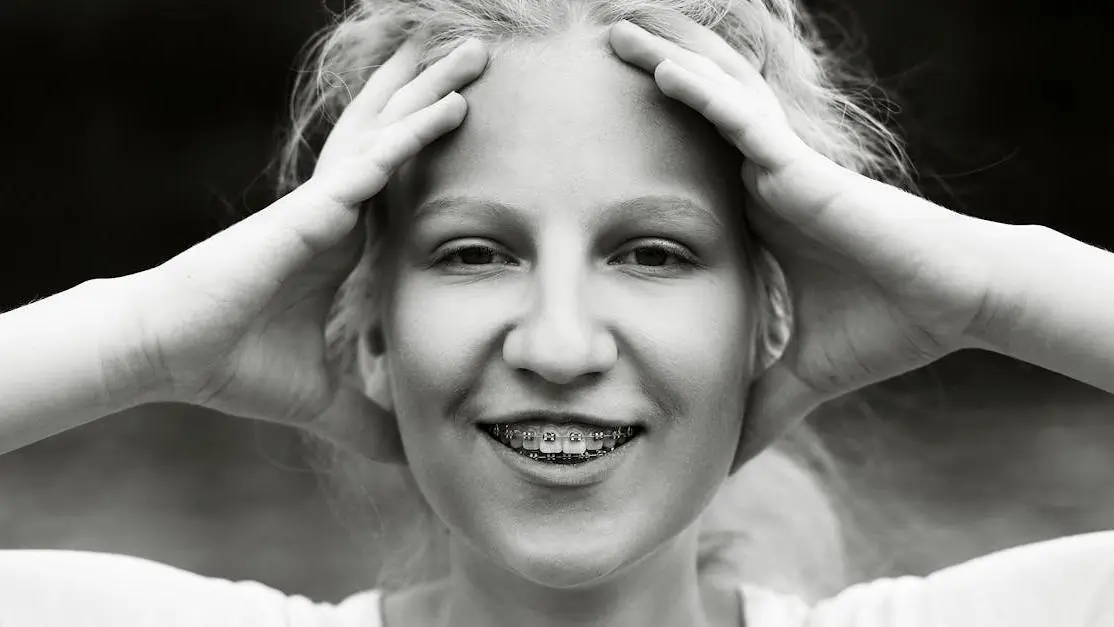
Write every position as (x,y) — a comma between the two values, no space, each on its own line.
(561,444)
(530,441)
(574,445)
(609,440)
(549,443)
(595,441)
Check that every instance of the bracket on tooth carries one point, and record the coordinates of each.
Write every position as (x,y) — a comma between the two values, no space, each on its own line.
(506,433)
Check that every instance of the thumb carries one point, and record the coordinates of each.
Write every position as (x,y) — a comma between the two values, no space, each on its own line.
(777,401)
(358,425)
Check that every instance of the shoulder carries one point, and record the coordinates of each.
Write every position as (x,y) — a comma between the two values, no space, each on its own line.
(44,588)
(1066,582)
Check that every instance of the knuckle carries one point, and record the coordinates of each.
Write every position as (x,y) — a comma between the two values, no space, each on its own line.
(724,105)
(375,169)
(408,140)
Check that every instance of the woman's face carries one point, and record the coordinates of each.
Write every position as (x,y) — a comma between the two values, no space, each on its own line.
(573,249)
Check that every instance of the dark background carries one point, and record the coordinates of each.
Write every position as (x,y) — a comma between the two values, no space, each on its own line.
(132,129)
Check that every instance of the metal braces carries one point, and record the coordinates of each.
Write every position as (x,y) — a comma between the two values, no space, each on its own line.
(504,432)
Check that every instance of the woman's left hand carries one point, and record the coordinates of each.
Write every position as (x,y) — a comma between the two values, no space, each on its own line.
(881,281)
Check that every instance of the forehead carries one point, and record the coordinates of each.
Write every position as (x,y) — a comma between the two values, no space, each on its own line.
(563,122)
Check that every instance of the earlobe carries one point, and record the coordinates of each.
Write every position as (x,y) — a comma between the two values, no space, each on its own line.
(371,362)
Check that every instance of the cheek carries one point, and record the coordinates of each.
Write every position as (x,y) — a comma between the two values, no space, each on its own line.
(435,336)
(700,355)
(696,340)
(441,338)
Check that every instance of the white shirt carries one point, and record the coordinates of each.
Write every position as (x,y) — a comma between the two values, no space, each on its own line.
(1067,582)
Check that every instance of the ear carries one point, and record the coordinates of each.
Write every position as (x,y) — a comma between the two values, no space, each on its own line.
(361,419)
(374,385)
(777,329)
(764,419)
(372,367)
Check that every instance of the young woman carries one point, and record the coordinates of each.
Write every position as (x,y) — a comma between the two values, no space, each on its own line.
(571,302)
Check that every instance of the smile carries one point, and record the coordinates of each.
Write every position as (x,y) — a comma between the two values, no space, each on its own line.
(561,444)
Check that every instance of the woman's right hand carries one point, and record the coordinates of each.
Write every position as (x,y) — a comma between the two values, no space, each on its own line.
(236,323)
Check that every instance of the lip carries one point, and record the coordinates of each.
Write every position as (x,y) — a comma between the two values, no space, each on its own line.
(560,418)
(563,475)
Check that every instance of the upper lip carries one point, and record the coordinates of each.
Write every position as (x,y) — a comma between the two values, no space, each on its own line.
(558,417)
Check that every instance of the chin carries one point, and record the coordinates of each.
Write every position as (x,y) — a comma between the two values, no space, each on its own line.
(557,562)
(565,571)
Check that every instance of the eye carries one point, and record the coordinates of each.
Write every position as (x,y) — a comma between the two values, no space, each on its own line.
(472,255)
(657,254)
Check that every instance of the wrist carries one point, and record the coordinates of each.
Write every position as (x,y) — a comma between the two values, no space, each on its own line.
(131,376)
(62,362)
(1050,305)
(1015,258)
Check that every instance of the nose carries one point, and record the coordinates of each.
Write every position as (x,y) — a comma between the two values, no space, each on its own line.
(559,338)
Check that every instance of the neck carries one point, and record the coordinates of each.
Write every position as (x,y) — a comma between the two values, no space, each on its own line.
(662,589)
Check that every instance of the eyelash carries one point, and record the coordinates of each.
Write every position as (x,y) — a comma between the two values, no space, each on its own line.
(684,258)
(443,258)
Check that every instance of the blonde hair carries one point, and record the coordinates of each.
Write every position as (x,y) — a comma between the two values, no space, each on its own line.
(827,104)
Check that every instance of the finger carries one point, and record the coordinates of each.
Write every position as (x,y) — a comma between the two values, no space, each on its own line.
(318,215)
(751,118)
(395,72)
(704,52)
(706,42)
(758,129)
(457,69)
(643,49)
(362,176)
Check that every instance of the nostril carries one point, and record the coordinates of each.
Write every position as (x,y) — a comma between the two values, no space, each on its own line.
(560,350)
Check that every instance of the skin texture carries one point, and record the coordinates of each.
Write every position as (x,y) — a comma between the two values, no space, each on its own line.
(569,310)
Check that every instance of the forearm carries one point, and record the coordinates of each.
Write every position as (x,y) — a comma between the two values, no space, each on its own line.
(1054,306)
(54,370)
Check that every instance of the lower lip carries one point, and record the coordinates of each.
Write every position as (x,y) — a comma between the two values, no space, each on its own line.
(564,475)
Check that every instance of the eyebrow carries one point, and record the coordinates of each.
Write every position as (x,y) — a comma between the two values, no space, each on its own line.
(662,210)
(665,211)
(463,206)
